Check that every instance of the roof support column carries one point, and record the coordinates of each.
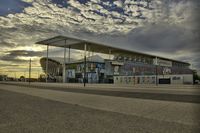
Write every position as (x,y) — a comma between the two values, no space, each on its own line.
(47,63)
(92,55)
(109,54)
(64,65)
(89,58)
(84,79)
(69,54)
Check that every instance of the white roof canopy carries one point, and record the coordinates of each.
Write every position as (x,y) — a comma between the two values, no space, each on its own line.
(78,44)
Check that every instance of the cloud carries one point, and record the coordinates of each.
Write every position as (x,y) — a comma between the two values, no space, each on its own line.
(5,44)
(45,19)
(12,59)
(12,65)
(161,26)
(18,56)
(27,1)
(171,41)
(25,53)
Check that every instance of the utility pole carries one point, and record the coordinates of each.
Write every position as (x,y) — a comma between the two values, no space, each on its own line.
(15,76)
(38,75)
(24,76)
(30,71)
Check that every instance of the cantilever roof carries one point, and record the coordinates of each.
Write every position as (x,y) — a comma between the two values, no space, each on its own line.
(78,44)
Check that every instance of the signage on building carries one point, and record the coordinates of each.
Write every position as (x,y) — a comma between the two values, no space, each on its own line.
(161,62)
(116,70)
(167,70)
(133,69)
(71,73)
(117,63)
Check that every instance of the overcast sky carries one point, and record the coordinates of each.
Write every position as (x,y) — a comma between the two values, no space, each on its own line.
(168,28)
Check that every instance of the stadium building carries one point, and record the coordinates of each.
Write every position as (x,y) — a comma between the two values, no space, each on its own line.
(122,67)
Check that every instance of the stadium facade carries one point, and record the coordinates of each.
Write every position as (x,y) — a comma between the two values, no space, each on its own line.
(126,67)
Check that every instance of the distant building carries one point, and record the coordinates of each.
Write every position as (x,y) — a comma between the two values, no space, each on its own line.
(127,66)
(120,70)
(3,77)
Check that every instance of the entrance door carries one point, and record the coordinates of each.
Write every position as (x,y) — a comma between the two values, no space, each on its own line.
(165,81)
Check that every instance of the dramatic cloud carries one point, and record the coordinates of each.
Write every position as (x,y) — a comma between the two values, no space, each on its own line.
(25,53)
(164,27)
(20,56)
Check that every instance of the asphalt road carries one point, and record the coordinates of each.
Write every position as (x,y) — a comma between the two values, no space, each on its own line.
(141,95)
(20,113)
(190,98)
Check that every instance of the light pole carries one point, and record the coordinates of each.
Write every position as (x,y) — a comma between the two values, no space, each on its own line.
(24,76)
(38,75)
(15,76)
(47,61)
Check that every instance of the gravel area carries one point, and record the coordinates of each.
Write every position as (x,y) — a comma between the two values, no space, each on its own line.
(20,113)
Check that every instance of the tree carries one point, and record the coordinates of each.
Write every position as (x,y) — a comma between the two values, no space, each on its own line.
(22,78)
